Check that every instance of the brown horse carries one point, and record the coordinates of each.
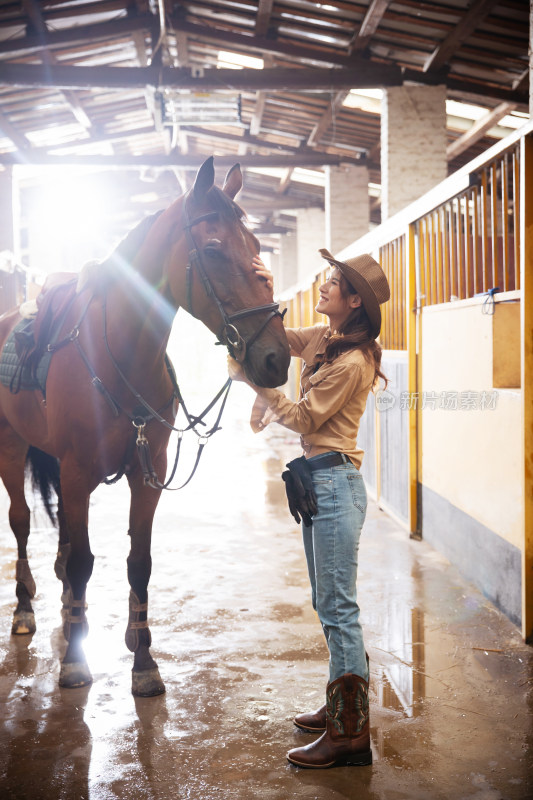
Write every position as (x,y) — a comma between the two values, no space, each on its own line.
(109,386)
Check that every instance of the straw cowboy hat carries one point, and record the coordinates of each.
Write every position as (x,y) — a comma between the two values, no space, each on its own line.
(369,281)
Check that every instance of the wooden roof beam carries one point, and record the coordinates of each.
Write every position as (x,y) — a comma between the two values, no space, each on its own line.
(80,34)
(285,181)
(213,133)
(175,159)
(260,44)
(9,131)
(327,118)
(478,130)
(264,14)
(257,117)
(276,203)
(358,74)
(369,25)
(33,10)
(475,14)
(89,34)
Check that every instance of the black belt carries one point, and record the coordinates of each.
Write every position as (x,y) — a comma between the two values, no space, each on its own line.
(323,462)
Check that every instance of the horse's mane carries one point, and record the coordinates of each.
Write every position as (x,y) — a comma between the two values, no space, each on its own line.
(98,272)
(225,205)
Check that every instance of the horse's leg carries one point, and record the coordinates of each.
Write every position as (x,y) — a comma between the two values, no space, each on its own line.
(63,552)
(12,462)
(79,566)
(146,680)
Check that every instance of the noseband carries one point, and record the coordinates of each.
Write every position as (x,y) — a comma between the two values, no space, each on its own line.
(229,336)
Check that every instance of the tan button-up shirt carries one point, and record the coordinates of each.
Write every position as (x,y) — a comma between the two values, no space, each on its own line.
(332,398)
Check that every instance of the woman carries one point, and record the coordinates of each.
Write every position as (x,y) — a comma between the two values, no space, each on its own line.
(342,364)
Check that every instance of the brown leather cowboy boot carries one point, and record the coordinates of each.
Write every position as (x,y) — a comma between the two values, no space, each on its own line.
(314,721)
(346,741)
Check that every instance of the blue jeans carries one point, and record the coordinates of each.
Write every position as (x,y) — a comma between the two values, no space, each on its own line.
(331,546)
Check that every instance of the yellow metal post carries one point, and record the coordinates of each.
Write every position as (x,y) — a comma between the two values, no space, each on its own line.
(526,269)
(412,316)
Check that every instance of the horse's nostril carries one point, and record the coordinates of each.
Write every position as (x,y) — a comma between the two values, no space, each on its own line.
(273,364)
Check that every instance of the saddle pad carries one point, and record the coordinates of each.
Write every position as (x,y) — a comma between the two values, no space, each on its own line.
(15,376)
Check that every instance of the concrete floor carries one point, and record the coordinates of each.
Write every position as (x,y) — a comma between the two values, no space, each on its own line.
(241,652)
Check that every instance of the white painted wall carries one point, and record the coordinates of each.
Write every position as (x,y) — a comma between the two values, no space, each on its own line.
(471,457)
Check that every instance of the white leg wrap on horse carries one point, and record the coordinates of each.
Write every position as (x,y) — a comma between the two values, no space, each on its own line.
(74,619)
(135,624)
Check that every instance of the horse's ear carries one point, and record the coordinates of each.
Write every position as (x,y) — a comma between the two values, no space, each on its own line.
(204,180)
(233,182)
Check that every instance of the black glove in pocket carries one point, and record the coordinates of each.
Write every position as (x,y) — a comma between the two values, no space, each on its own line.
(300,492)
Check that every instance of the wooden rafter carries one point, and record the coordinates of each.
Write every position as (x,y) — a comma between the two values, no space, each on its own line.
(79,34)
(475,14)
(264,13)
(9,130)
(369,25)
(255,123)
(33,10)
(285,181)
(327,118)
(478,130)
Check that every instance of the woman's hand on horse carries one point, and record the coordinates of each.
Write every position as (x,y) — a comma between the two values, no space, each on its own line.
(236,371)
(262,272)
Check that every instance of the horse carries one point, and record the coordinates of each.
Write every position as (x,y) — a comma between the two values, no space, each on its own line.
(110,397)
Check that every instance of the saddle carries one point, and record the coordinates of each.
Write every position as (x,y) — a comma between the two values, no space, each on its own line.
(26,355)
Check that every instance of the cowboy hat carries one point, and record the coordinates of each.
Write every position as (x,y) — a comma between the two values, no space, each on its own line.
(369,281)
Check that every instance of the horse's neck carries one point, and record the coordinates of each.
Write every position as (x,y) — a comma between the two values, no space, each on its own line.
(138,325)
(140,310)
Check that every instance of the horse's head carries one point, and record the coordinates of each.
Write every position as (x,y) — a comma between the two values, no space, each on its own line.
(221,287)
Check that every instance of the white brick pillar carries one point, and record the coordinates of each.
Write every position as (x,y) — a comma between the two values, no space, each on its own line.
(311,237)
(347,206)
(413,144)
(7,228)
(287,262)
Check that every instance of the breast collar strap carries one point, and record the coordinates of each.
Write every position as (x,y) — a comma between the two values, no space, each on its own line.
(229,336)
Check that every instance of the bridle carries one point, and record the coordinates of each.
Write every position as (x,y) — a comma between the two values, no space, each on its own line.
(229,335)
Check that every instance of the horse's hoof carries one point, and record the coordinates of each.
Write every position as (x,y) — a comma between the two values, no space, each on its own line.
(74,675)
(146,683)
(23,623)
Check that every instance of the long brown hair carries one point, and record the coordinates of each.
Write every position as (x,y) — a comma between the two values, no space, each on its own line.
(355,333)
